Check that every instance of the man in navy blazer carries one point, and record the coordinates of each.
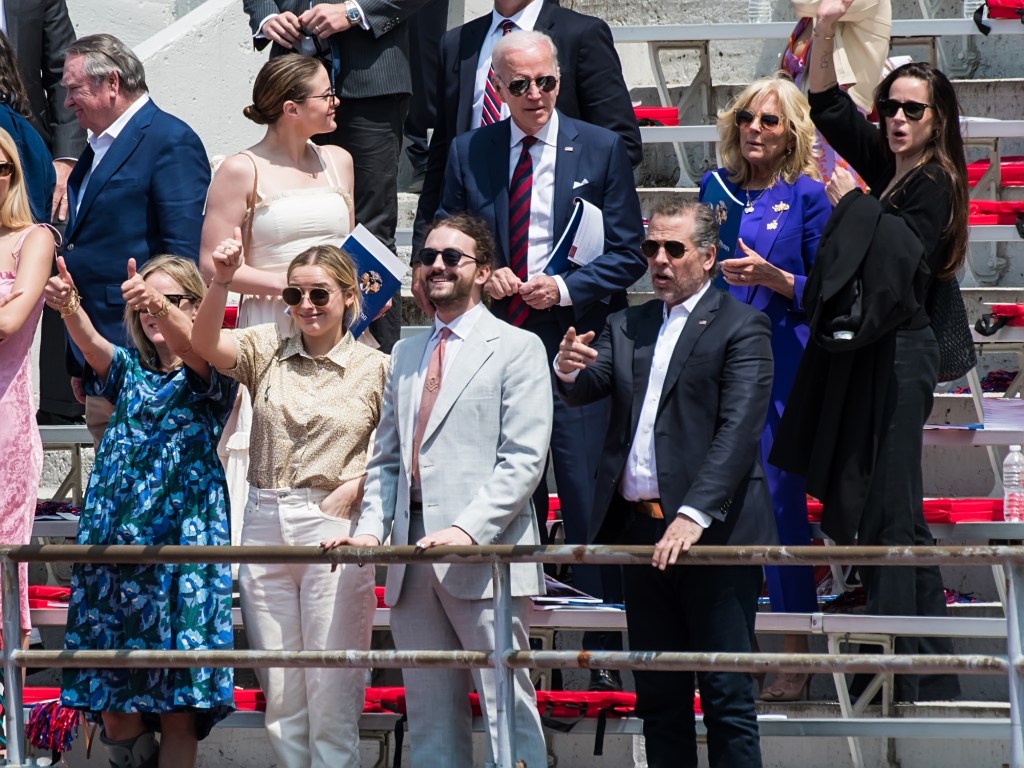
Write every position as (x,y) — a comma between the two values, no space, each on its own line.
(591,87)
(689,375)
(137,191)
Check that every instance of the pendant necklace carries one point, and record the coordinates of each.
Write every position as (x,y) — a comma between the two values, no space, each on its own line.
(750,201)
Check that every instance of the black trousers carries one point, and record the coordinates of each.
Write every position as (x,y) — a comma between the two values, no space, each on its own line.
(371,131)
(893,514)
(426,28)
(695,609)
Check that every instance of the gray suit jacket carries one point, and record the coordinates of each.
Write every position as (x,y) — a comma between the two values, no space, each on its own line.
(372,62)
(481,458)
(39,31)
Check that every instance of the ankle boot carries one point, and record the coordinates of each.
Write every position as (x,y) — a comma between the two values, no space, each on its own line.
(143,751)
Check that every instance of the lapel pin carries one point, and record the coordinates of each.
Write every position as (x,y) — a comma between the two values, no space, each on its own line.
(702,322)
(568,149)
(780,207)
(772,224)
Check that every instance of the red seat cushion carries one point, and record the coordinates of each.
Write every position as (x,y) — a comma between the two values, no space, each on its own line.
(657,115)
(1011,171)
(995,211)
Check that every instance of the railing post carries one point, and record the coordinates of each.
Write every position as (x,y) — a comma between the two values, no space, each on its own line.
(503,684)
(14,714)
(1014,635)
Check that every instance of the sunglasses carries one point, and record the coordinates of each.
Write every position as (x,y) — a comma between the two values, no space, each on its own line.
(746,117)
(450,257)
(318,297)
(520,85)
(6,169)
(173,298)
(675,249)
(912,110)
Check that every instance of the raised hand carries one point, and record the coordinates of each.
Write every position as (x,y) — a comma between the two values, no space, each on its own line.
(60,288)
(574,351)
(228,257)
(136,292)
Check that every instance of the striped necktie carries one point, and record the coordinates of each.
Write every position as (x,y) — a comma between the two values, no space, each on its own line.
(519,195)
(492,101)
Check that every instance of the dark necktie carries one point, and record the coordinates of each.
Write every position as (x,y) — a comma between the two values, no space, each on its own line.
(492,101)
(431,386)
(519,194)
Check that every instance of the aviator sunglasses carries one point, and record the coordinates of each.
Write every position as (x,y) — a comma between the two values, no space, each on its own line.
(912,110)
(520,85)
(746,117)
(318,297)
(675,249)
(450,257)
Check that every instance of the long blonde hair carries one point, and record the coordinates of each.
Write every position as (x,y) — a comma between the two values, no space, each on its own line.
(801,153)
(15,212)
(186,274)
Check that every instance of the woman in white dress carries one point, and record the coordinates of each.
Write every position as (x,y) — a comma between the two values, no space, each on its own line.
(298,194)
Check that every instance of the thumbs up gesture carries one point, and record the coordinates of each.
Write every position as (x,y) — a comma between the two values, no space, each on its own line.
(228,257)
(60,288)
(574,351)
(137,293)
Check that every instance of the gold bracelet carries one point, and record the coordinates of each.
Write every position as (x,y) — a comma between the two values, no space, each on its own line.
(165,307)
(71,305)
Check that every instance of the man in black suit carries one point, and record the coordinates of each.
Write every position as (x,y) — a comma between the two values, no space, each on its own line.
(365,46)
(591,87)
(680,465)
(39,32)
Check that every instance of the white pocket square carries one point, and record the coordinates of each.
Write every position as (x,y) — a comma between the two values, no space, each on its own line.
(578,184)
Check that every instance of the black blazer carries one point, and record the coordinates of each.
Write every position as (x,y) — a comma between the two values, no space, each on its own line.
(709,422)
(40,31)
(372,62)
(591,89)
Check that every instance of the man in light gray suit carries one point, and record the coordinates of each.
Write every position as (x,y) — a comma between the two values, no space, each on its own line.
(459,450)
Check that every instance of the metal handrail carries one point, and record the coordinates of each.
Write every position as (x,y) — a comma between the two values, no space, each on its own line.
(503,658)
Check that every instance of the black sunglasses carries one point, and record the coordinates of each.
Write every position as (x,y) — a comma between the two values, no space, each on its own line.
(173,298)
(6,169)
(520,85)
(318,297)
(746,117)
(675,249)
(912,110)
(450,257)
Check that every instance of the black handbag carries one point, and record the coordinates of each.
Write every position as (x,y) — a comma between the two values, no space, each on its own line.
(952,330)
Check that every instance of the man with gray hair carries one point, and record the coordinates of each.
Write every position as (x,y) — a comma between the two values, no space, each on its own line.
(137,190)
(689,375)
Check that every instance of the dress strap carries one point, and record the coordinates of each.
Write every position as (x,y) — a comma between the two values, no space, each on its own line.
(16,251)
(255,178)
(327,164)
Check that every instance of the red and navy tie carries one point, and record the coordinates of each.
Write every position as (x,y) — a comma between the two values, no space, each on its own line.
(492,101)
(519,194)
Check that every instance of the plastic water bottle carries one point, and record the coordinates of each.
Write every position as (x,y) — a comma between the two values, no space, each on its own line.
(1013,485)
(759,11)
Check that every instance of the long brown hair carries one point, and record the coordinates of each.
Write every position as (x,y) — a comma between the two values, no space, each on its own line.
(12,89)
(945,149)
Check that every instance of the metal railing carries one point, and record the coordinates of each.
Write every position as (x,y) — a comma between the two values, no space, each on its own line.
(503,658)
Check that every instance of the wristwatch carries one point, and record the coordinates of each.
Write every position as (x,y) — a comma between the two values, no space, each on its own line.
(165,307)
(354,15)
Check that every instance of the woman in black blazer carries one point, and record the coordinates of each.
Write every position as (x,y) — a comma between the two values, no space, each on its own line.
(873,378)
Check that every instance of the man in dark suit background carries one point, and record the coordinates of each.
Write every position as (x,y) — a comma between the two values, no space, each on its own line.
(365,46)
(137,190)
(39,33)
(591,86)
(689,376)
(568,159)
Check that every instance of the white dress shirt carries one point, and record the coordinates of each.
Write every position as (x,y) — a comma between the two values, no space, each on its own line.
(542,200)
(3,18)
(460,328)
(525,19)
(102,142)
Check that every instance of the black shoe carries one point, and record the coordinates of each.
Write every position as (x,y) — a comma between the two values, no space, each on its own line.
(605,680)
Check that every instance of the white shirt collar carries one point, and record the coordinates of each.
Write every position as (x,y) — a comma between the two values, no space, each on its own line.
(114,129)
(461,325)
(685,307)
(546,135)
(525,19)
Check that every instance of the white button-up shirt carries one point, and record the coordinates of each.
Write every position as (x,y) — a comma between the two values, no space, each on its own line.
(102,142)
(525,19)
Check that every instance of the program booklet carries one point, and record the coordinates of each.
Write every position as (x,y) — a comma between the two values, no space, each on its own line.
(379,273)
(729,210)
(581,242)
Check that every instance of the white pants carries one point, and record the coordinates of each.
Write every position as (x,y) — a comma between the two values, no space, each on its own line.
(313,714)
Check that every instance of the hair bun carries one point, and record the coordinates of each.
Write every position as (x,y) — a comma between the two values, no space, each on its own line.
(252,112)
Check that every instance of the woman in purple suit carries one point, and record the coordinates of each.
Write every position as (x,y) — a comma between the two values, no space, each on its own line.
(768,155)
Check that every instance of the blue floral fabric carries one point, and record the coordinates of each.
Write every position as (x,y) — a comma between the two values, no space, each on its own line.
(156,480)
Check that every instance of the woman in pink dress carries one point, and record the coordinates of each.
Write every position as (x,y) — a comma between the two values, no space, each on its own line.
(26,253)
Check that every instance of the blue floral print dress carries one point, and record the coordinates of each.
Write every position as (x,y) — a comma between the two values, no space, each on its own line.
(156,480)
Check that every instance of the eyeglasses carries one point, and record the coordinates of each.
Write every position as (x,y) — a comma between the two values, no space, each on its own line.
(520,85)
(6,169)
(450,257)
(675,249)
(912,110)
(318,297)
(328,96)
(746,117)
(173,298)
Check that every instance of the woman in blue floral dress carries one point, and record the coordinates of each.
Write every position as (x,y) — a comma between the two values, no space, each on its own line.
(156,480)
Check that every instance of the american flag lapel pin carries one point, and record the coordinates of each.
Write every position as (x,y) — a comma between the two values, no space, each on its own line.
(568,149)
(702,322)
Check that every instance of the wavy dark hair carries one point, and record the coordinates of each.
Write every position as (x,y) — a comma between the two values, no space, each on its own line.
(945,149)
(12,89)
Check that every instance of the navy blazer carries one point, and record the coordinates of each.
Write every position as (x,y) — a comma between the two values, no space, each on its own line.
(708,426)
(591,89)
(145,198)
(592,164)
